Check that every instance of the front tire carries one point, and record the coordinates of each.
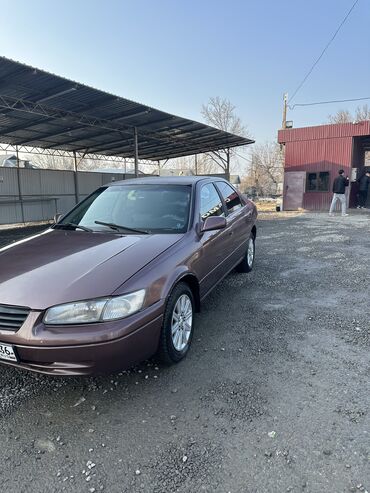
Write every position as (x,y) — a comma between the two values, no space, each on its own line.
(178,325)
(246,265)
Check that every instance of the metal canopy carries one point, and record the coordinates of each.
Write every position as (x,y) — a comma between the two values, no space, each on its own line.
(39,109)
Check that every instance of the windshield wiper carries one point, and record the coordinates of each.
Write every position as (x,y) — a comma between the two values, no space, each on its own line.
(118,227)
(77,226)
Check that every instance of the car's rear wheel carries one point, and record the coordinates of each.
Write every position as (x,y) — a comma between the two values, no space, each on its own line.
(246,265)
(178,325)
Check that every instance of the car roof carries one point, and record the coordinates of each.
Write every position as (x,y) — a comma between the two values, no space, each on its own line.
(166,180)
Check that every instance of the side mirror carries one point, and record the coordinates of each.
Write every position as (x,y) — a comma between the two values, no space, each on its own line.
(213,223)
(57,218)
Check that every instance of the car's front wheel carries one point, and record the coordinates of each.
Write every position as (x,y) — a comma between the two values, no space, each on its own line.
(178,325)
(246,265)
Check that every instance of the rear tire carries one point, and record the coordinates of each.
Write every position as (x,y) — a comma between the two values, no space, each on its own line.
(246,265)
(178,325)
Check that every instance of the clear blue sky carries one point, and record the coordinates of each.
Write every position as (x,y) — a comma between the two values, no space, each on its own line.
(174,55)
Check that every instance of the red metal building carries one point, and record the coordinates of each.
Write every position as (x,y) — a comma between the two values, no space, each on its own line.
(313,157)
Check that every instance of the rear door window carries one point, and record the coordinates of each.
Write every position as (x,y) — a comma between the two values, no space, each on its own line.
(230,196)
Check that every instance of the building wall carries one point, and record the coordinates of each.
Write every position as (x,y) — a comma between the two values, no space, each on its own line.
(315,156)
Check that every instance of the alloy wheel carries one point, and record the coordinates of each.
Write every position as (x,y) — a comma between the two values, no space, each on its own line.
(250,252)
(182,322)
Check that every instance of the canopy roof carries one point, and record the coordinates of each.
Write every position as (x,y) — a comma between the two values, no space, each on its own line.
(40,109)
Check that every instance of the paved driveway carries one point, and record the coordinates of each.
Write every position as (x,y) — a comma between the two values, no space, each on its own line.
(273,397)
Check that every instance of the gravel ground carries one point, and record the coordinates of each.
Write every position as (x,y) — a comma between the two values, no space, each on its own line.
(273,397)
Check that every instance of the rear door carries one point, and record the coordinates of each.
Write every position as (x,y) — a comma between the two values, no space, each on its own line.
(239,223)
(210,262)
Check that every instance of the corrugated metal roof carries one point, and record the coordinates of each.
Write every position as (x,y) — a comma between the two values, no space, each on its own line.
(40,109)
(324,132)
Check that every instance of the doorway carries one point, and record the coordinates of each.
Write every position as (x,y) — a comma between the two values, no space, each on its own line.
(294,186)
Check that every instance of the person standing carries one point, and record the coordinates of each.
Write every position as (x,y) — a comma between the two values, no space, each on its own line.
(363,187)
(339,189)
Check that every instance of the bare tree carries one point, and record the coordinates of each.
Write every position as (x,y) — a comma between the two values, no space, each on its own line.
(204,165)
(49,161)
(178,164)
(266,170)
(362,113)
(344,116)
(341,116)
(220,113)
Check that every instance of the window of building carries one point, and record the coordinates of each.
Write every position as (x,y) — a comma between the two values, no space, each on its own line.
(317,182)
(210,202)
(230,196)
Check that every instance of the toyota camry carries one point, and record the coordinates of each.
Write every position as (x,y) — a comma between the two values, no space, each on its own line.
(119,277)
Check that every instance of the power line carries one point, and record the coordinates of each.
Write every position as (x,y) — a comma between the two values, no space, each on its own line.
(324,50)
(243,157)
(251,162)
(291,107)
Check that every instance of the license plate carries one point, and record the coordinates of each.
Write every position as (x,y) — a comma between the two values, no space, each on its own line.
(7,352)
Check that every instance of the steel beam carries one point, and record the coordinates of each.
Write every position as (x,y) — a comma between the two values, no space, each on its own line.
(99,104)
(68,154)
(170,155)
(91,121)
(15,128)
(132,115)
(53,94)
(40,138)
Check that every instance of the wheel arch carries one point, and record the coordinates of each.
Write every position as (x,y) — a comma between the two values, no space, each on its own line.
(192,281)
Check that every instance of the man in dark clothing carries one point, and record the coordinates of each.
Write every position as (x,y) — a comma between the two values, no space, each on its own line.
(363,186)
(339,190)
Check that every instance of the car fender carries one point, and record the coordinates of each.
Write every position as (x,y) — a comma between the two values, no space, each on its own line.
(182,274)
(163,273)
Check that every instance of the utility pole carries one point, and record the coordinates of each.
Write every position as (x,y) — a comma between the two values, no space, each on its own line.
(285,110)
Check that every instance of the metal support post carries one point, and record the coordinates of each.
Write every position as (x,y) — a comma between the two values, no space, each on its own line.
(75,166)
(19,185)
(228,163)
(136,153)
(196,164)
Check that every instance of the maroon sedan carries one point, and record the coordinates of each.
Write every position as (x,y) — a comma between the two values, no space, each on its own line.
(120,277)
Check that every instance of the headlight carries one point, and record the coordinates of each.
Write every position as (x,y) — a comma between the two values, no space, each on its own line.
(99,310)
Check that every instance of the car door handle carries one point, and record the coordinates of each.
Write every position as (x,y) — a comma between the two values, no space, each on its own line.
(231,233)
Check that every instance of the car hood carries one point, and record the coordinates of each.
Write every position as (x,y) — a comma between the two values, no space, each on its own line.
(58,266)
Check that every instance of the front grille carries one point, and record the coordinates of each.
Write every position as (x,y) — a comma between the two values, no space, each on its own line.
(12,317)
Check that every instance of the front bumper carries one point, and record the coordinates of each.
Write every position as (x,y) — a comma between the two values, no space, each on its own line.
(86,350)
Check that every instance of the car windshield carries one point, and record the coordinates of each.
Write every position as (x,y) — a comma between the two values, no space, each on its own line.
(133,209)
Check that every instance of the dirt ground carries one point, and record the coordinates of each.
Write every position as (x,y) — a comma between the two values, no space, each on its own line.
(273,397)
